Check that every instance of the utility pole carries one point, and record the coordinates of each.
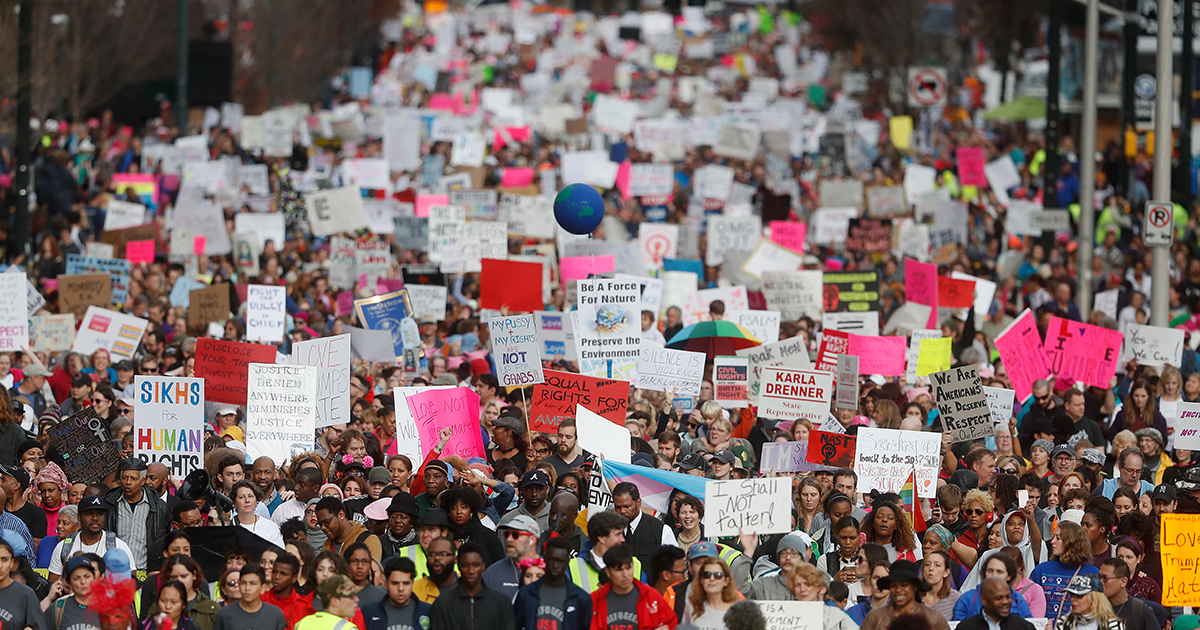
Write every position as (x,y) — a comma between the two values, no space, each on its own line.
(181,63)
(1128,99)
(24,148)
(1087,160)
(1187,85)
(1160,261)
(1054,58)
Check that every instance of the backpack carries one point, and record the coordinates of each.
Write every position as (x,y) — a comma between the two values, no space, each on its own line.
(110,541)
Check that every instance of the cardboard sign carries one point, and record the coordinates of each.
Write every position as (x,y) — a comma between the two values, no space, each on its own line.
(336,211)
(754,506)
(1086,353)
(730,381)
(331,355)
(1153,345)
(850,291)
(608,323)
(281,410)
(210,304)
(1000,404)
(884,458)
(788,393)
(385,312)
(170,426)
(117,270)
(962,404)
(224,366)
(52,333)
(1187,426)
(666,370)
(454,407)
(116,332)
(88,455)
(1180,556)
(831,449)
(783,615)
(515,348)
(266,313)
(556,398)
(847,382)
(794,294)
(1020,347)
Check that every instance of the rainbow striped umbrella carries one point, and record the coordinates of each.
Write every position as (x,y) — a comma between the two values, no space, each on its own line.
(714,338)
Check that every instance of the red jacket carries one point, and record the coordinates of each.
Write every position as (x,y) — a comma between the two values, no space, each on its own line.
(295,607)
(652,609)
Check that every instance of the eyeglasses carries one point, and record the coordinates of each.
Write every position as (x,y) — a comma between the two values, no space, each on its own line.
(123,412)
(360,561)
(441,554)
(1132,471)
(975,511)
(324,523)
(1042,398)
(542,451)
(99,399)
(1009,471)
(232,583)
(712,575)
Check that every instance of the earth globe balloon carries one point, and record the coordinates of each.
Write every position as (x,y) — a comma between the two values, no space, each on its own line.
(579,209)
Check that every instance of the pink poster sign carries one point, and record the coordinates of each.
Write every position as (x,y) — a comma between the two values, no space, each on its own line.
(1020,347)
(879,355)
(789,234)
(1083,352)
(921,286)
(970,167)
(453,407)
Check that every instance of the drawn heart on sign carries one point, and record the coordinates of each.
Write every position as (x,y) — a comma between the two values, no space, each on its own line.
(926,483)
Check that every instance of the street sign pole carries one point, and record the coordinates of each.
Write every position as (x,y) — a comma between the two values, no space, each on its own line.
(1160,260)
(1087,165)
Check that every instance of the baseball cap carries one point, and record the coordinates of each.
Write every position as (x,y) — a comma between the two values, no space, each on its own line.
(227,410)
(403,503)
(1164,492)
(1187,622)
(234,432)
(123,364)
(78,562)
(1093,455)
(337,585)
(89,503)
(36,370)
(510,423)
(379,474)
(522,523)
(725,456)
(81,380)
(642,459)
(1190,480)
(1062,449)
(116,563)
(702,549)
(535,478)
(18,473)
(692,461)
(1084,584)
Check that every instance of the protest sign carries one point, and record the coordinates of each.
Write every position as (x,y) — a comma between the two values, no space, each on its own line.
(385,312)
(878,355)
(606,440)
(788,393)
(89,455)
(730,379)
(53,333)
(170,426)
(790,353)
(782,457)
(1153,345)
(513,285)
(527,215)
(224,367)
(884,458)
(657,241)
(331,357)
(829,448)
(335,211)
(479,204)
(210,304)
(1180,557)
(14,312)
(428,302)
(266,315)
(731,233)
(764,325)
(120,215)
(847,381)
(789,235)
(453,407)
(830,225)
(886,201)
(912,357)
(556,398)
(695,306)
(769,256)
(753,506)
(1000,404)
(408,439)
(781,615)
(281,410)
(794,294)
(552,332)
(608,321)
(666,370)
(934,355)
(955,293)
(116,332)
(738,141)
(1187,426)
(1086,353)
(860,323)
(117,270)
(266,226)
(1020,348)
(850,291)
(869,235)
(515,348)
(651,179)
(970,167)
(841,193)
(962,405)
(834,343)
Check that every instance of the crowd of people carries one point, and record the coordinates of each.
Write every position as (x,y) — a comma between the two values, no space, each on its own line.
(1055,517)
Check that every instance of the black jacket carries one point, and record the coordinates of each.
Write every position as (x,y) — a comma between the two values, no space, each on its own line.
(158,523)
(1011,622)
(455,609)
(474,530)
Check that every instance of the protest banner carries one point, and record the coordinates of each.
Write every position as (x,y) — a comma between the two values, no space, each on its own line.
(117,270)
(386,312)
(556,398)
(515,348)
(666,370)
(281,410)
(730,379)
(934,355)
(850,291)
(878,355)
(224,366)
(769,256)
(833,344)
(335,211)
(453,407)
(1020,348)
(210,304)
(88,454)
(764,325)
(1187,426)
(608,323)
(731,233)
(116,332)
(266,314)
(516,286)
(847,381)
(794,294)
(170,426)
(52,333)
(1000,404)
(788,393)
(1180,557)
(830,448)
(753,506)
(869,235)
(884,458)
(962,405)
(1152,345)
(791,353)
(781,615)
(1089,354)
(782,457)
(331,357)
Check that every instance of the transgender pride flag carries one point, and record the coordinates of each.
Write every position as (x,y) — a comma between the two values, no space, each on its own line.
(655,485)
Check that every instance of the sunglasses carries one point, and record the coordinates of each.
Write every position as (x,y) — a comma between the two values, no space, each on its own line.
(712,575)
(975,511)
(511,533)
(1009,471)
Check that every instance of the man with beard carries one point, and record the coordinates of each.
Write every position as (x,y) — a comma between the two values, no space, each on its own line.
(441,571)
(520,534)
(568,455)
(432,525)
(402,513)
(263,475)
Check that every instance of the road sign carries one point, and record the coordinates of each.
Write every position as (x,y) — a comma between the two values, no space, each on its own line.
(926,86)
(1160,227)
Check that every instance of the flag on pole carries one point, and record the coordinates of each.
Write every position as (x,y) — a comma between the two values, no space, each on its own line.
(912,509)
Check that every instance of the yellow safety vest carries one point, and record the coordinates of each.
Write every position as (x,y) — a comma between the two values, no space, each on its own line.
(324,621)
(587,578)
(417,555)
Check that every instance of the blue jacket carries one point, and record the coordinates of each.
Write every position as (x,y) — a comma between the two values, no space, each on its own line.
(376,617)
(970,604)
(577,608)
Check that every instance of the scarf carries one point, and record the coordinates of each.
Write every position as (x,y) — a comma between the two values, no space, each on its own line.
(315,535)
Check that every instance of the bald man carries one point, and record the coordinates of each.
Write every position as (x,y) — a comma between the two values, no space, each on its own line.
(263,476)
(565,508)
(997,605)
(158,477)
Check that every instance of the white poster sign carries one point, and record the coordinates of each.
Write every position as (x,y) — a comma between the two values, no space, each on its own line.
(731,233)
(666,370)
(332,356)
(790,353)
(515,348)
(170,422)
(116,332)
(794,294)
(120,215)
(1000,404)
(281,411)
(764,325)
(884,458)
(14,312)
(335,211)
(602,437)
(789,394)
(608,323)
(751,506)
(266,313)
(1153,345)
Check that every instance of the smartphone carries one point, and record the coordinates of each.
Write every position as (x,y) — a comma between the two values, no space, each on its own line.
(1022,498)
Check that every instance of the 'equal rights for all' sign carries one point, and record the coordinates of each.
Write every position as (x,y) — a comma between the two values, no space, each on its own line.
(759,506)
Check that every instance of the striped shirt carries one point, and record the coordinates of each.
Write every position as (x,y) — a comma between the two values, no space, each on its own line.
(11,522)
(131,527)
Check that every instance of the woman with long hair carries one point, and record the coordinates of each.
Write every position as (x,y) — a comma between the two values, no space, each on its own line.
(935,570)
(509,441)
(400,467)
(810,496)
(840,561)
(711,594)
(800,429)
(1089,608)
(104,400)
(1033,594)
(1138,412)
(1071,557)
(809,584)
(171,598)
(1140,585)
(230,584)
(307,557)
(197,604)
(887,526)
(887,414)
(938,538)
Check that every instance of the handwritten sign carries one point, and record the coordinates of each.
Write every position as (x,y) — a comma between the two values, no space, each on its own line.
(87,452)
(788,393)
(77,293)
(266,315)
(1187,426)
(971,168)
(787,457)
(1000,404)
(210,304)
(1153,345)
(847,382)
(664,370)
(281,410)
(331,357)
(14,313)
(1020,347)
(794,294)
(782,615)
(832,449)
(758,506)
(454,407)
(934,355)
(955,293)
(1180,558)
(515,347)
(962,404)
(884,458)
(224,366)
(170,426)
(1086,353)
(53,333)
(556,398)
(730,379)
(790,235)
